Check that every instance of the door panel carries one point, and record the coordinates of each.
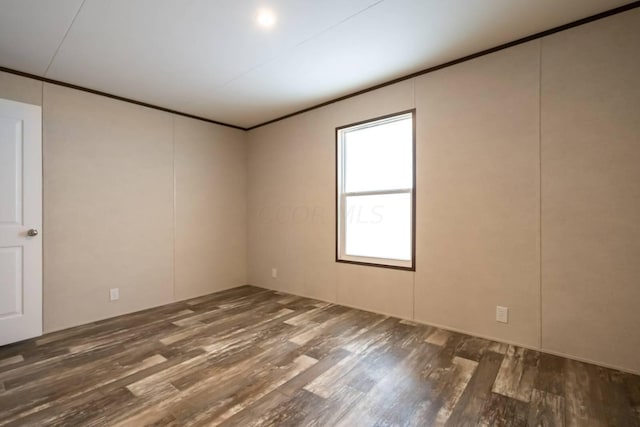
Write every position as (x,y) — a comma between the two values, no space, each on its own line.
(20,211)
(10,171)
(11,289)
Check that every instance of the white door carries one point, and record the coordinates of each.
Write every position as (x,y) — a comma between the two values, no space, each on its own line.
(20,221)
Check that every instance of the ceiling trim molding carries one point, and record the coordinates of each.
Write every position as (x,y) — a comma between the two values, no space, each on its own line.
(522,40)
(116,97)
(601,15)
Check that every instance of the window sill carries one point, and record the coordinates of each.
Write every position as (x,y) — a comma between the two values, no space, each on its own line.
(376,264)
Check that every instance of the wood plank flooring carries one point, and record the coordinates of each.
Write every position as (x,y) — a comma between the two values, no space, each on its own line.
(253,357)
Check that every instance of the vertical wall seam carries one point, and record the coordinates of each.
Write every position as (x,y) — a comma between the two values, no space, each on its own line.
(247,212)
(173,197)
(540,185)
(415,208)
(42,205)
(413,294)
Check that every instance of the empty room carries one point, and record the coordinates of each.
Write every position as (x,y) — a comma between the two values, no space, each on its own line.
(319,213)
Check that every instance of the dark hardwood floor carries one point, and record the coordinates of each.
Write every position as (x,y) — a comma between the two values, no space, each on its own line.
(249,356)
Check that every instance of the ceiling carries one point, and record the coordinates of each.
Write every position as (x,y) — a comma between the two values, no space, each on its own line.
(210,59)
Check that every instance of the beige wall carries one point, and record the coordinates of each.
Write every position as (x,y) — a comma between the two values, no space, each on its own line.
(211,237)
(478,178)
(591,191)
(493,209)
(20,89)
(108,207)
(133,199)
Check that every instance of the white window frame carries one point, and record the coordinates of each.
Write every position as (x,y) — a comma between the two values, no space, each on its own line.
(341,194)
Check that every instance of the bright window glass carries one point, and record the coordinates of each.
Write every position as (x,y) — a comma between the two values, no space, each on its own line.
(379,157)
(379,226)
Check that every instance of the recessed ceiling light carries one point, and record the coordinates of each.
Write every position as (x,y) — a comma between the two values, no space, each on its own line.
(266,18)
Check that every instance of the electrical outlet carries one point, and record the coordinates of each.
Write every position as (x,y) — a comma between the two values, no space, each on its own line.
(502,314)
(274,273)
(114,294)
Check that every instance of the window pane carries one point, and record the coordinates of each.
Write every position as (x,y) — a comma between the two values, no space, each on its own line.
(379,157)
(379,226)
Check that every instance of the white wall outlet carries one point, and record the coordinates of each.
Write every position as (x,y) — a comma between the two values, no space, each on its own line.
(114,294)
(274,273)
(502,314)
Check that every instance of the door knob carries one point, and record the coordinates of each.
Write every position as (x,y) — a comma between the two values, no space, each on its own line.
(32,232)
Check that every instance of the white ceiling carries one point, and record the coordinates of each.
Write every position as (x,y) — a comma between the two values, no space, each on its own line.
(208,58)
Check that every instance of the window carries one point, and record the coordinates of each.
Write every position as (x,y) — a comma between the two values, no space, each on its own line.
(376,192)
